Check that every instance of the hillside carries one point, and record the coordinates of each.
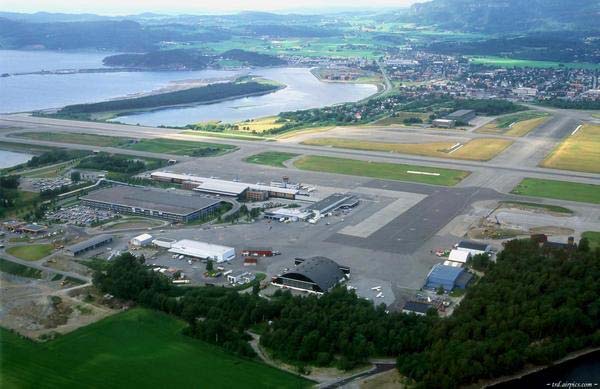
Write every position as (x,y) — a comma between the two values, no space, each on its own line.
(507,16)
(179,59)
(188,59)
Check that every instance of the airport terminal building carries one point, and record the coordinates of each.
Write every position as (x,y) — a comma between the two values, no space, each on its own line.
(157,203)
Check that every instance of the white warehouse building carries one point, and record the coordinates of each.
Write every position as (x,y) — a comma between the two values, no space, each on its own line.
(202,250)
(141,240)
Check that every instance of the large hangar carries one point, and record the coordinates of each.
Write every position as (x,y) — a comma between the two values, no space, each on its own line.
(315,275)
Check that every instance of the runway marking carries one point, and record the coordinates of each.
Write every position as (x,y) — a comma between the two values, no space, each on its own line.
(575,131)
(423,173)
(458,148)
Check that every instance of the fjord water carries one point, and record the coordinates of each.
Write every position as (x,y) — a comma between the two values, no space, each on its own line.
(10,158)
(41,91)
(36,91)
(302,91)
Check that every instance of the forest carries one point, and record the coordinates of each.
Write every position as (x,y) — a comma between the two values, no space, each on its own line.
(533,306)
(571,104)
(198,95)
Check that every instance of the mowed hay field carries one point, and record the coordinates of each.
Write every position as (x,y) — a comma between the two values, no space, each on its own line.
(383,170)
(259,126)
(579,152)
(134,349)
(482,149)
(519,124)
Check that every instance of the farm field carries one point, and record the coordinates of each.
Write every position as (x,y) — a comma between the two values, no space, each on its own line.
(271,158)
(259,126)
(138,348)
(481,149)
(521,63)
(181,147)
(383,170)
(579,152)
(562,190)
(30,252)
(519,124)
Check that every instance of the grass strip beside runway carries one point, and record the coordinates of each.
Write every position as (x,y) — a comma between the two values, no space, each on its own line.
(562,190)
(382,170)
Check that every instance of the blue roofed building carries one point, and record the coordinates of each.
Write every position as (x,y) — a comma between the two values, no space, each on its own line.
(448,277)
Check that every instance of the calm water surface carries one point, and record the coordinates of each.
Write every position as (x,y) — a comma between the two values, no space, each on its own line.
(32,92)
(10,158)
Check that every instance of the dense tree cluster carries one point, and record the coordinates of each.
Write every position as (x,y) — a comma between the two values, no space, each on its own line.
(177,59)
(341,327)
(55,156)
(187,96)
(572,104)
(532,307)
(338,328)
(251,58)
(119,163)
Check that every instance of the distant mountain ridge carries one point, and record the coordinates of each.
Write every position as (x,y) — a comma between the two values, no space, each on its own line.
(506,16)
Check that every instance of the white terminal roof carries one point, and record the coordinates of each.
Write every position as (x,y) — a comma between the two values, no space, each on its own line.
(143,237)
(194,248)
(459,256)
(223,186)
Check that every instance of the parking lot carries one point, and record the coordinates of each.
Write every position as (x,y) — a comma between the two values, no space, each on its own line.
(81,215)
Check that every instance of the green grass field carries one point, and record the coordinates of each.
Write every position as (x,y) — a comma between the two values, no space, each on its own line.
(521,63)
(181,147)
(134,349)
(562,190)
(18,269)
(547,207)
(382,170)
(271,158)
(593,237)
(77,138)
(157,145)
(30,252)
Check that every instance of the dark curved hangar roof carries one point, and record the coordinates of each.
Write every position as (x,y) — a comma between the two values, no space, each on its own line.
(321,271)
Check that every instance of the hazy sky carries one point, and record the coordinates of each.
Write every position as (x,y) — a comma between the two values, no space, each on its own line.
(115,7)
